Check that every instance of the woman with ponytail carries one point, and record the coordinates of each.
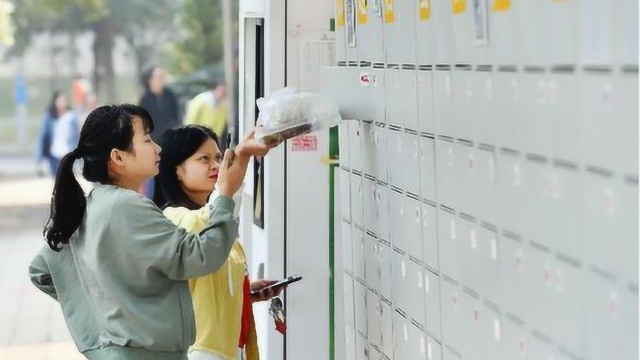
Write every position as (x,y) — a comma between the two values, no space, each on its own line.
(117,266)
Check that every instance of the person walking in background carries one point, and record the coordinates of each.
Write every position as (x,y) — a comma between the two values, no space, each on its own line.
(159,101)
(89,103)
(211,109)
(162,104)
(59,132)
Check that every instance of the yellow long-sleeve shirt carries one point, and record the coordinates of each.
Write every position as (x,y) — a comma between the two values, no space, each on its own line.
(202,110)
(217,298)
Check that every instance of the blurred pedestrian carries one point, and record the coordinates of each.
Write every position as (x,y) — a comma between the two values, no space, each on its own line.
(59,132)
(162,104)
(159,101)
(211,109)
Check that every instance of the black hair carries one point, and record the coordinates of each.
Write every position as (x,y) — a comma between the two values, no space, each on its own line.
(106,128)
(177,146)
(52,110)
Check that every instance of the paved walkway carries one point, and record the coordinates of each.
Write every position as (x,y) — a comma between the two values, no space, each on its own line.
(31,323)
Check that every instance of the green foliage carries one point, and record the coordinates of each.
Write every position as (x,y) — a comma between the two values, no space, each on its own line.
(201,41)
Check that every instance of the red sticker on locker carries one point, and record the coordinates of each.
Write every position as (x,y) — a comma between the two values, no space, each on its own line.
(304,143)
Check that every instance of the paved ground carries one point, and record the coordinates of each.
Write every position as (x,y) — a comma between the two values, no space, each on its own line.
(31,323)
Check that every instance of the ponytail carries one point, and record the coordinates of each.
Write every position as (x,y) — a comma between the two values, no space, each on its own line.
(68,204)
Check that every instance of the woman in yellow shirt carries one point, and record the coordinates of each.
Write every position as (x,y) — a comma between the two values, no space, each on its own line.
(221,301)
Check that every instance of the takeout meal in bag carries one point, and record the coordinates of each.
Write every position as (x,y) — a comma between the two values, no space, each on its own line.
(288,113)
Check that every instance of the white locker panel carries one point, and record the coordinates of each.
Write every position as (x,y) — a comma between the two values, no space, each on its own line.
(559,46)
(355,147)
(485,185)
(401,337)
(430,236)
(613,310)
(357,200)
(441,12)
(484,125)
(424,34)
(378,95)
(360,295)
(462,85)
(386,324)
(359,258)
(347,247)
(432,293)
(426,119)
(505,32)
(508,112)
(381,164)
(562,113)
(392,36)
(453,330)
(461,32)
(406,27)
(401,281)
(393,90)
(385,258)
(510,175)
(427,168)
(349,314)
(370,206)
(534,90)
(416,306)
(345,194)
(443,105)
(369,33)
(408,99)
(372,268)
(368,146)
(597,115)
(531,21)
(626,133)
(604,221)
(626,26)
(410,164)
(447,182)
(374,323)
(595,23)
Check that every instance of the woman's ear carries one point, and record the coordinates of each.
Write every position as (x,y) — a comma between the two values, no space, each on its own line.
(180,172)
(116,158)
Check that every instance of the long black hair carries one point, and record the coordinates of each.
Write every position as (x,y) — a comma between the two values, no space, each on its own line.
(106,128)
(52,109)
(177,146)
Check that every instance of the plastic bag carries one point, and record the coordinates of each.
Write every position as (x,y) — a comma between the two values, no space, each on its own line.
(288,113)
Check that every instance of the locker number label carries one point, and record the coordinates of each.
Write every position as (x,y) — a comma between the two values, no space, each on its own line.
(501,5)
(459,6)
(340,21)
(389,13)
(362,12)
(425,10)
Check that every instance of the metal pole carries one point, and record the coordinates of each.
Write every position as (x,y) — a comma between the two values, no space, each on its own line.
(229,59)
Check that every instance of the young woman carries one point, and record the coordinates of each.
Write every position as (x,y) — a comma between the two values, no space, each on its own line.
(189,172)
(117,266)
(58,132)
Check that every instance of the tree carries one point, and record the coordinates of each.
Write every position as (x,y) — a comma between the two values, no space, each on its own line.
(144,24)
(6,25)
(201,41)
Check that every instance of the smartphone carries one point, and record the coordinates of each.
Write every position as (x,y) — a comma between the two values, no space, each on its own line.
(283,282)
